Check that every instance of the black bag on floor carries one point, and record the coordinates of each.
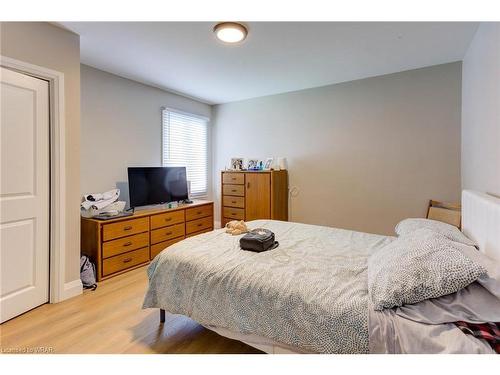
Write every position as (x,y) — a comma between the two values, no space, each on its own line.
(258,240)
(88,273)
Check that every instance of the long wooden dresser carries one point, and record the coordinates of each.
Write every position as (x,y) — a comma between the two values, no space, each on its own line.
(252,195)
(122,244)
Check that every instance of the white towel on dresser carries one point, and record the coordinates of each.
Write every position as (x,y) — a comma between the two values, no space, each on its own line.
(101,199)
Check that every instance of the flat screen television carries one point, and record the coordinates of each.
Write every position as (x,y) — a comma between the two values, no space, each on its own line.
(156,185)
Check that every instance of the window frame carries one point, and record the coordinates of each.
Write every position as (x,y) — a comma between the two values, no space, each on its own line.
(207,145)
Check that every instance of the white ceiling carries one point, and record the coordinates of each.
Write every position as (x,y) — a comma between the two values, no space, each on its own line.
(277,57)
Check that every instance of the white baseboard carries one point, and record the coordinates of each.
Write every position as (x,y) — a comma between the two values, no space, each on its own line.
(72,289)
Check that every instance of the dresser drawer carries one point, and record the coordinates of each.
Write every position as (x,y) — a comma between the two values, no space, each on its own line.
(238,190)
(167,233)
(169,218)
(234,213)
(199,212)
(233,178)
(159,247)
(125,228)
(125,261)
(124,244)
(230,201)
(200,232)
(199,224)
(224,221)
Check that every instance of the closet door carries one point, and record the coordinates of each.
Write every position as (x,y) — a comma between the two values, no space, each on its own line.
(257,196)
(24,193)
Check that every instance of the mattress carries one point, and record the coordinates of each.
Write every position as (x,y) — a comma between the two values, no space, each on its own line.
(309,294)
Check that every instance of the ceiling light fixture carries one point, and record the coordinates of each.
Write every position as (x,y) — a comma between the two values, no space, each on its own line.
(230,32)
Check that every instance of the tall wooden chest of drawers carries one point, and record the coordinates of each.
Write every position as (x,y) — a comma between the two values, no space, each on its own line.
(121,244)
(251,195)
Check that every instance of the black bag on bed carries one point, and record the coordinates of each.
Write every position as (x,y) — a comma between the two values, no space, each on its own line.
(258,240)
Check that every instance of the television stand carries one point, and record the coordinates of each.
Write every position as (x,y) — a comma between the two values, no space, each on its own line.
(121,244)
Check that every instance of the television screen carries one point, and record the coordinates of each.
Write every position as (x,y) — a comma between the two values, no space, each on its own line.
(155,185)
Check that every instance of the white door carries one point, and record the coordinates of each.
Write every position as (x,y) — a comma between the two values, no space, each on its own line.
(24,193)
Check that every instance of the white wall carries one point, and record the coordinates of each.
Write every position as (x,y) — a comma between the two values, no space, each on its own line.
(481,111)
(43,44)
(363,154)
(121,127)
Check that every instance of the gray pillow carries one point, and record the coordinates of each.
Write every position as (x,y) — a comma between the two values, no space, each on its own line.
(491,266)
(418,266)
(449,231)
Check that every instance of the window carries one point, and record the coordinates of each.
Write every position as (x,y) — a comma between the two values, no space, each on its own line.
(184,144)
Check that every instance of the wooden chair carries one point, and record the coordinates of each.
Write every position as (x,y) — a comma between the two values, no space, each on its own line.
(450,213)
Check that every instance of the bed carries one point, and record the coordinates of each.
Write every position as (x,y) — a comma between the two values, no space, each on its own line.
(310,294)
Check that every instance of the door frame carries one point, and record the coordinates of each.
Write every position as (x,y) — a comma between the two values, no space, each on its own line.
(58,291)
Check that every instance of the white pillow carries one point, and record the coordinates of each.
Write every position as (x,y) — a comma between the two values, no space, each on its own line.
(449,231)
(418,266)
(491,266)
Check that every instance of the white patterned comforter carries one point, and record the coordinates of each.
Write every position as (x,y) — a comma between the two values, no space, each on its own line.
(309,293)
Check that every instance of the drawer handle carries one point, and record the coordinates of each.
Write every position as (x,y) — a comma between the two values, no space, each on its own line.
(168,233)
(168,219)
(233,202)
(199,213)
(233,213)
(126,260)
(234,178)
(199,225)
(233,191)
(127,243)
(127,227)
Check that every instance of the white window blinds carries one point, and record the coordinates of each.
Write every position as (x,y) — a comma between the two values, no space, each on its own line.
(184,144)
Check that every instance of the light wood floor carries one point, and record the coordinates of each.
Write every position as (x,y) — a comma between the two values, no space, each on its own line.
(110,320)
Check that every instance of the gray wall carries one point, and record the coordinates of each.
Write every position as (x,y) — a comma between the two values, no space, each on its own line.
(481,111)
(45,45)
(121,127)
(363,154)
